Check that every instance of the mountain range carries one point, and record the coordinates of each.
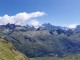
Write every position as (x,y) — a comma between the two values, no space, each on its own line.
(46,41)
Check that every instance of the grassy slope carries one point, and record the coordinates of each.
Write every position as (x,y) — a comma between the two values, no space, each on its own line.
(8,52)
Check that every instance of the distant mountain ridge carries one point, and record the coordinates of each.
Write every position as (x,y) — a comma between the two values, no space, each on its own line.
(47,26)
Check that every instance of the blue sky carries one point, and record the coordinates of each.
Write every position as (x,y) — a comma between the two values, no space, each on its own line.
(59,12)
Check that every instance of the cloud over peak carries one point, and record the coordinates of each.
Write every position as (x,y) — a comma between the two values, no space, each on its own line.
(22,18)
(72,25)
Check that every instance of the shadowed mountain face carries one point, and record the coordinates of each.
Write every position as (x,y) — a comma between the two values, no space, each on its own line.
(42,41)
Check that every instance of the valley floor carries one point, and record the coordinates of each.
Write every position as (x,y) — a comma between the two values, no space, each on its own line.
(73,57)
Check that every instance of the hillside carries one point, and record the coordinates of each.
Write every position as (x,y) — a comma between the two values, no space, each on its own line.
(8,52)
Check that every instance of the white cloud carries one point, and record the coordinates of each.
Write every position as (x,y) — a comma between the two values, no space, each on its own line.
(72,25)
(21,18)
(34,23)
